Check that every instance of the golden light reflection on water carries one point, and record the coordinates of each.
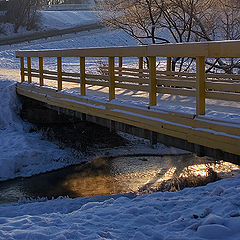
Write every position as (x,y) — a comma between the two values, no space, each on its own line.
(129,174)
(202,169)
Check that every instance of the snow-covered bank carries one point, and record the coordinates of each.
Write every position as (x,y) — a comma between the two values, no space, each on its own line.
(210,212)
(67,19)
(53,20)
(23,153)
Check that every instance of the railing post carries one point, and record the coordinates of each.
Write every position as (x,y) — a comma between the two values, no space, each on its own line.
(169,63)
(153,81)
(140,67)
(29,70)
(41,71)
(200,85)
(120,64)
(22,69)
(82,76)
(59,68)
(111,78)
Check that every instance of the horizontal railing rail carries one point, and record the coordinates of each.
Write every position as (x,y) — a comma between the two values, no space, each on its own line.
(197,84)
(213,49)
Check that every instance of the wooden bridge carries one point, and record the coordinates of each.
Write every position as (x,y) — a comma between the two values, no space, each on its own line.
(110,94)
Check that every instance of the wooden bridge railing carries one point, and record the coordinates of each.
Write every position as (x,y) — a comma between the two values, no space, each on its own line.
(197,84)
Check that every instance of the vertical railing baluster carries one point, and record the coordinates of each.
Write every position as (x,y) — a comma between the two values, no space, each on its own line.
(22,69)
(169,64)
(111,78)
(82,76)
(153,81)
(59,69)
(140,67)
(200,85)
(120,64)
(29,70)
(41,71)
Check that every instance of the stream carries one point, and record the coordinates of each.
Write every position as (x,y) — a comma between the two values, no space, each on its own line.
(112,175)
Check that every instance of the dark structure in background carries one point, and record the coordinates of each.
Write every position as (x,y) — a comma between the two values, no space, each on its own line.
(3,5)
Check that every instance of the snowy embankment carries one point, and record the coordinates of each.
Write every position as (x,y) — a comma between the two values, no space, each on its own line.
(95,38)
(67,19)
(210,212)
(23,153)
(54,20)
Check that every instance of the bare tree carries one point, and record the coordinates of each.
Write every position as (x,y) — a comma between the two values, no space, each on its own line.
(161,21)
(23,13)
(219,21)
(138,18)
(164,21)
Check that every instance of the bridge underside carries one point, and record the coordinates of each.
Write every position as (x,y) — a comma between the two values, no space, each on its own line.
(212,138)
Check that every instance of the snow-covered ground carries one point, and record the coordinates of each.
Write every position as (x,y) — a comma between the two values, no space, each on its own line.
(67,19)
(54,20)
(210,212)
(23,153)
(96,38)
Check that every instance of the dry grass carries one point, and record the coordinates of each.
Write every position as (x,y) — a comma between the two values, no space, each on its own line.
(178,183)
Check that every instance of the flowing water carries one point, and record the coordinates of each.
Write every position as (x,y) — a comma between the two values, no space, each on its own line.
(106,176)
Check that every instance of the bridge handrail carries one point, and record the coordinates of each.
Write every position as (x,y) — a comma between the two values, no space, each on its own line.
(214,49)
(198,84)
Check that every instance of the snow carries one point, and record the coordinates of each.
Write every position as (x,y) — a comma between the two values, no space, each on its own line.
(23,153)
(55,20)
(215,109)
(210,212)
(67,19)
(96,38)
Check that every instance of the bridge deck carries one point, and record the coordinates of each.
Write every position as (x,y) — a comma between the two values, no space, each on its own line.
(205,130)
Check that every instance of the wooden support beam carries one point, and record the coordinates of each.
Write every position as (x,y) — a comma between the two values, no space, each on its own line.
(140,67)
(29,69)
(82,76)
(112,126)
(153,81)
(41,71)
(200,85)
(169,64)
(111,78)
(22,69)
(120,64)
(59,67)
(153,138)
(84,117)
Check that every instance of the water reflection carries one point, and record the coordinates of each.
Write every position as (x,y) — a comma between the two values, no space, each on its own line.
(110,176)
(202,169)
